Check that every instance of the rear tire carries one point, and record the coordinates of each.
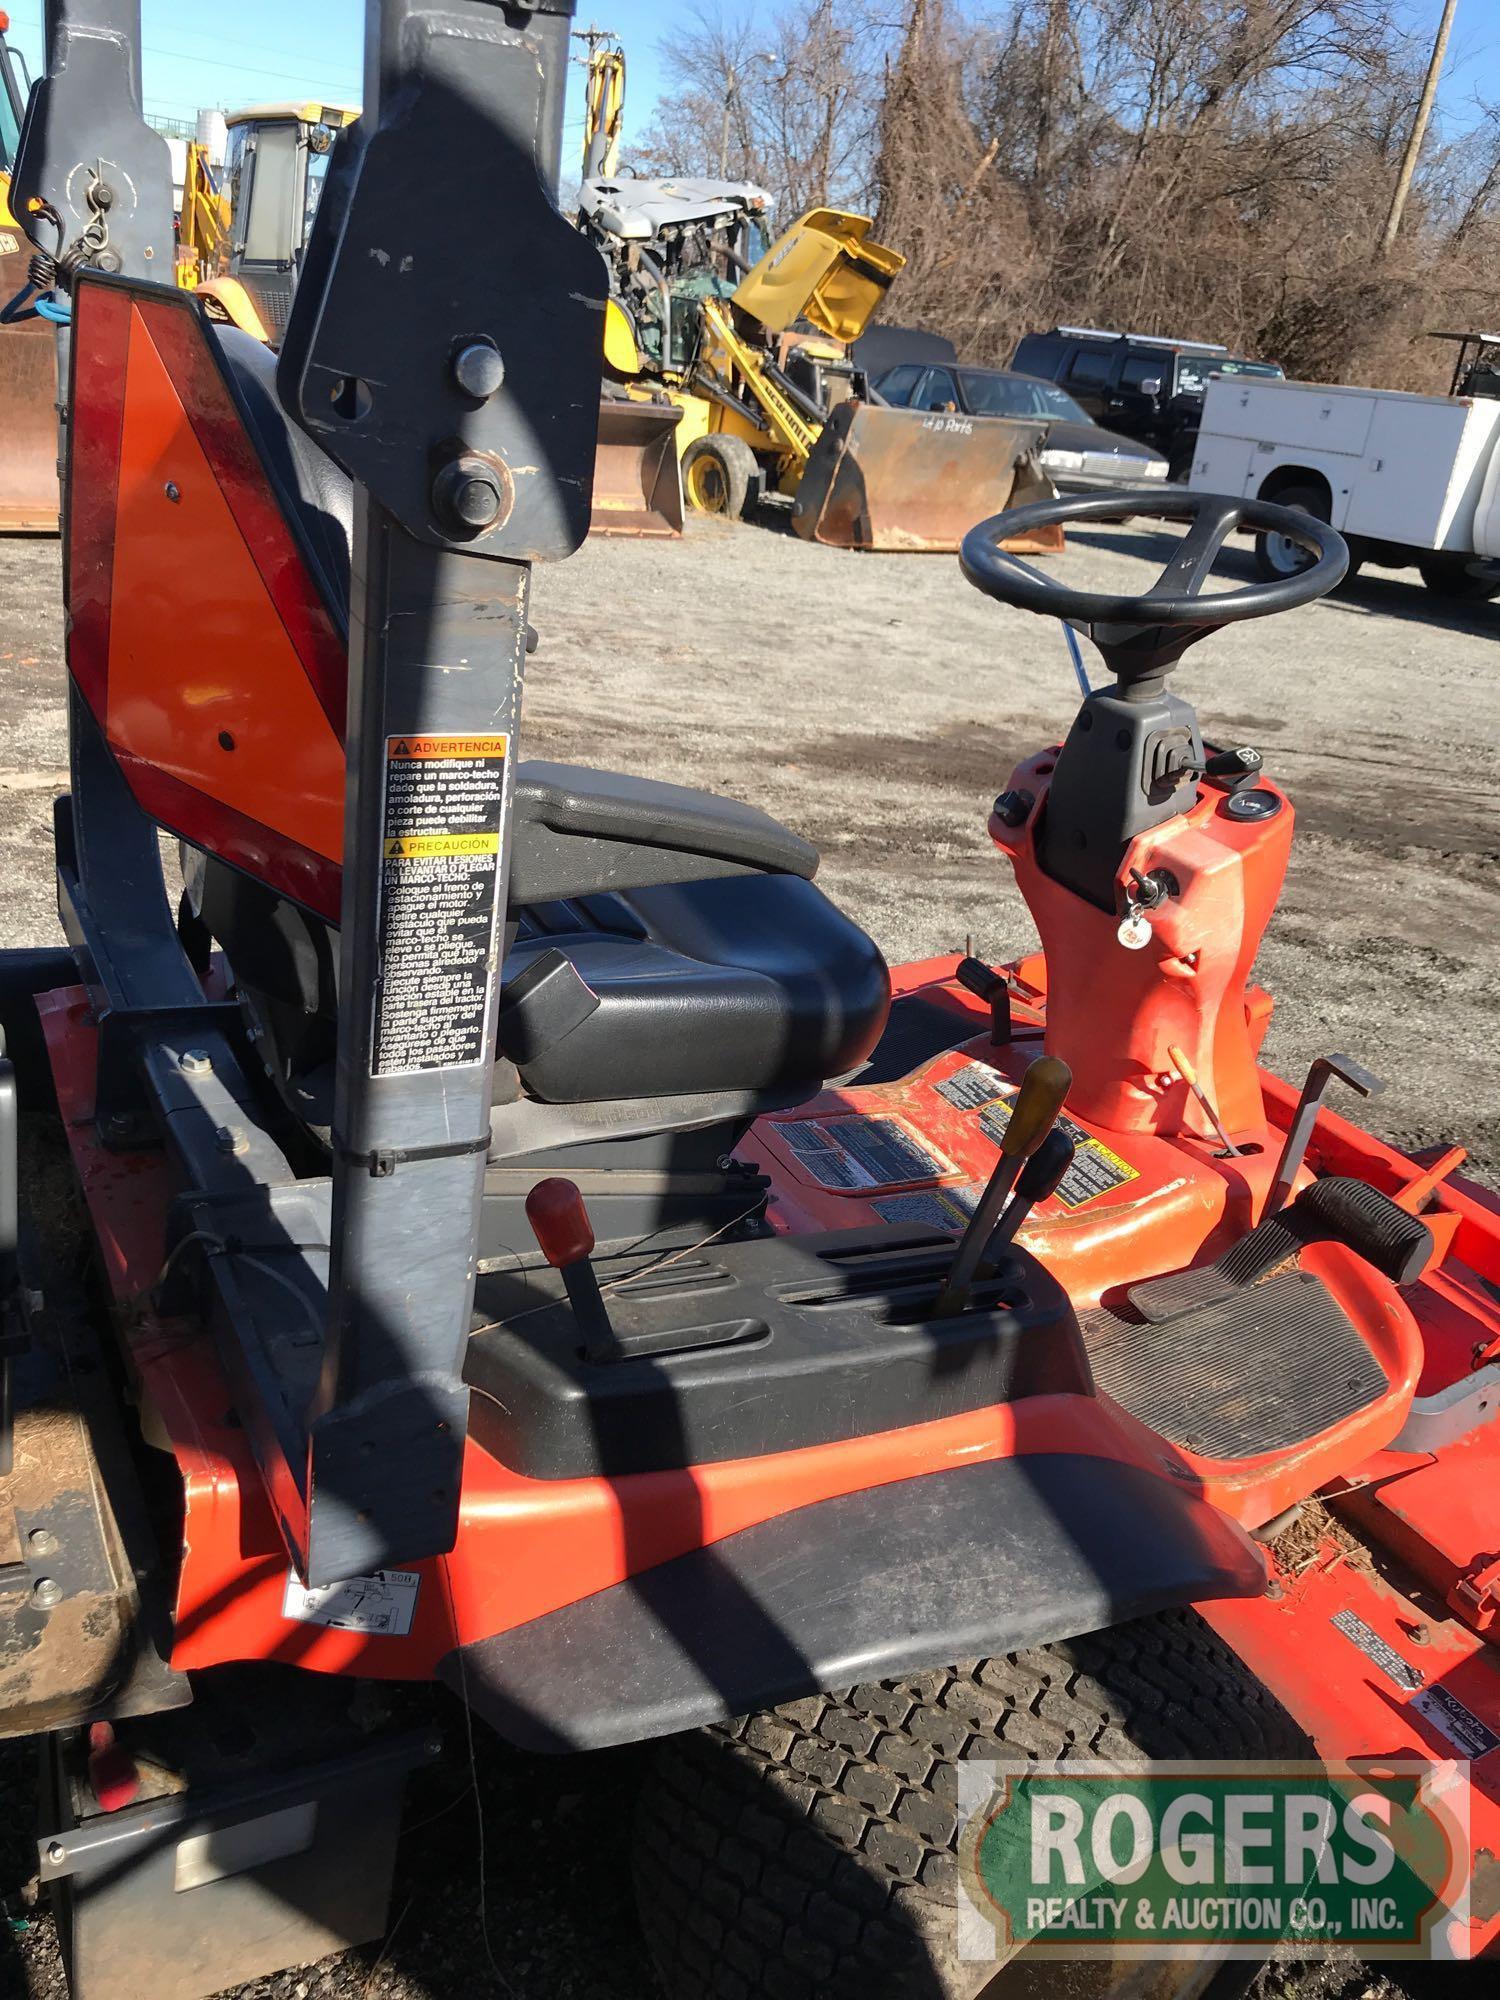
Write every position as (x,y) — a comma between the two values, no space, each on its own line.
(1277,558)
(720,475)
(808,1852)
(1447,576)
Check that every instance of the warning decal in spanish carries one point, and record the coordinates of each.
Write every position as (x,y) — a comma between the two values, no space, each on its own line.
(439,890)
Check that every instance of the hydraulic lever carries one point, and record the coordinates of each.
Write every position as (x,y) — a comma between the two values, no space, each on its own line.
(1041,1176)
(1032,1116)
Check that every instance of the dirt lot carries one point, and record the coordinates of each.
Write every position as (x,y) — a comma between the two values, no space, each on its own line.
(877,704)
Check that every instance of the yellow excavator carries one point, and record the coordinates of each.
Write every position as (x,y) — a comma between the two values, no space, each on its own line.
(637,488)
(247,229)
(203,220)
(28,351)
(744,351)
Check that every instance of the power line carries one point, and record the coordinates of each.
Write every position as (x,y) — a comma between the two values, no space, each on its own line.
(240,69)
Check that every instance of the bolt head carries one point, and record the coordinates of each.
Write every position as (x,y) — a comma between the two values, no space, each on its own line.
(471,494)
(173,491)
(478,369)
(56,1852)
(231,1139)
(47,1591)
(197,1062)
(42,1541)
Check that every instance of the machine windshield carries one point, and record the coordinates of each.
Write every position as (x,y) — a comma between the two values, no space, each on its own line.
(265,231)
(1193,370)
(1019,396)
(11,103)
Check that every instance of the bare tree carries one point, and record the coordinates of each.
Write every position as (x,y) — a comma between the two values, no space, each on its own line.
(1219,168)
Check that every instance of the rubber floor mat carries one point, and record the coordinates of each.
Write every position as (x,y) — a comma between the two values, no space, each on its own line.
(1270,1366)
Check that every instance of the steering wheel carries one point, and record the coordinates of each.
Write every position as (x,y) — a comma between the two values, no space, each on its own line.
(1142,638)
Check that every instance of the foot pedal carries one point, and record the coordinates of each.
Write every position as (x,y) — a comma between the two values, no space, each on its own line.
(1262,1368)
(1336,1209)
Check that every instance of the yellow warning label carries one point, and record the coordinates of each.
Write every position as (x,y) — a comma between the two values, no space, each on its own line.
(446,746)
(417,846)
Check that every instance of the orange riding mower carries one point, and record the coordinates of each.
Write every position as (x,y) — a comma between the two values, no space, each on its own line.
(549,1253)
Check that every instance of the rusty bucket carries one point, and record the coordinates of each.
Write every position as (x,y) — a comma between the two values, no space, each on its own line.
(637,486)
(28,413)
(917,480)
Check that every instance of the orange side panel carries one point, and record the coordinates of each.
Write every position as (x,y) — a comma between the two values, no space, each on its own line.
(204,681)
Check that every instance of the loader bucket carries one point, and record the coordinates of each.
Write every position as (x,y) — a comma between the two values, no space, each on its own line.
(879,478)
(28,416)
(637,486)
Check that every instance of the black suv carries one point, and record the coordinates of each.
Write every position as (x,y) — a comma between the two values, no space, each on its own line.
(1145,386)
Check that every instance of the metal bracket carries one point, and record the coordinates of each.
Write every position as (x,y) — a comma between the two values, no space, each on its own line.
(1436,1421)
(1299,1135)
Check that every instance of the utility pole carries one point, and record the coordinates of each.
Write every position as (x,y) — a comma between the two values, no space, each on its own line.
(1418,129)
(731,85)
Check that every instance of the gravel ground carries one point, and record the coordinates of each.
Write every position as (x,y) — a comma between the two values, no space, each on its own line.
(877,704)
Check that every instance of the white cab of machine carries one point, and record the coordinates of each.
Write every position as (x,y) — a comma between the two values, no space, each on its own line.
(1415,472)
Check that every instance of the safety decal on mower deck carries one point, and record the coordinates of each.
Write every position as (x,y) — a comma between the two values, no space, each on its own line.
(439,884)
(854,1153)
(1095,1170)
(384,1603)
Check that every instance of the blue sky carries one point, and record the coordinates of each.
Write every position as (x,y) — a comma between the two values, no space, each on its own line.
(244,53)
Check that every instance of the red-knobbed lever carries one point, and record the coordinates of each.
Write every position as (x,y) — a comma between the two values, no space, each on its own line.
(560,1222)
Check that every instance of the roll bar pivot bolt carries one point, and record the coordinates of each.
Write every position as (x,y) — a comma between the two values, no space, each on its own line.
(478,369)
(470,494)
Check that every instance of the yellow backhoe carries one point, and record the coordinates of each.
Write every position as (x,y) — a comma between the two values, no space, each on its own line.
(28,351)
(637,490)
(756,356)
(203,220)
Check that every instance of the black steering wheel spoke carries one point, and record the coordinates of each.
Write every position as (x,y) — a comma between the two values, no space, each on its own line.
(1198,550)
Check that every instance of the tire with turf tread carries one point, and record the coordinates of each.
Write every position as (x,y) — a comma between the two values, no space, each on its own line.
(721,475)
(809,1852)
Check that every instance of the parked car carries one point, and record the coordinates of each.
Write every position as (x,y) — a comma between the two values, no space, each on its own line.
(1143,385)
(1079,456)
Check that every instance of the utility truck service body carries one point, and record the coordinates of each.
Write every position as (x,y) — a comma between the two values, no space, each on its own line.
(1407,479)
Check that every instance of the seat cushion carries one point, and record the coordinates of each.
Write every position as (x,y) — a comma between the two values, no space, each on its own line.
(752,982)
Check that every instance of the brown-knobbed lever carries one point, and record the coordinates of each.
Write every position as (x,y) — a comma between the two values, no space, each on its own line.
(561,1225)
(1032,1116)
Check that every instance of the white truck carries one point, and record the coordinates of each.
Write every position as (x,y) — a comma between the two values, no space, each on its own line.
(1407,479)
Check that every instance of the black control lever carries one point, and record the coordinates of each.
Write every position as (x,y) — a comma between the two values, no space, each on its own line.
(1032,1116)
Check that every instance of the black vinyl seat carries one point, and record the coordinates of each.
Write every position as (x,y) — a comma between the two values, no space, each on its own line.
(747,982)
(698,955)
